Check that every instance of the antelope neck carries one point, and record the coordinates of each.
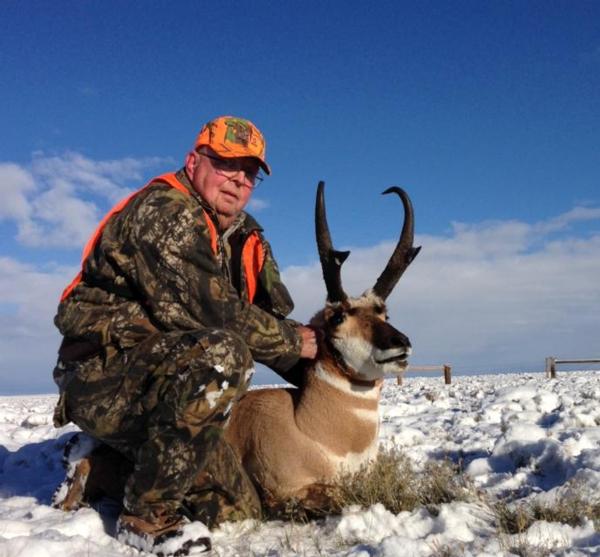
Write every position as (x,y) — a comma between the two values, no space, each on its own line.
(346,369)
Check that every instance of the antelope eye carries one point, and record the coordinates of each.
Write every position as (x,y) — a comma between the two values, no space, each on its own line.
(337,319)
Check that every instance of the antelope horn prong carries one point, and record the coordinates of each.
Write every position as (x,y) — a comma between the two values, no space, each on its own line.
(403,254)
(331,259)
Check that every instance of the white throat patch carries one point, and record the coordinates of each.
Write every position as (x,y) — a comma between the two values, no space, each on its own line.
(359,354)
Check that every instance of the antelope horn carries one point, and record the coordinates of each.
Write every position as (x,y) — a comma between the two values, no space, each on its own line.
(404,252)
(331,260)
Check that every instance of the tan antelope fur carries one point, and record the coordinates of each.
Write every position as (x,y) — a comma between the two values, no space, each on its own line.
(294,442)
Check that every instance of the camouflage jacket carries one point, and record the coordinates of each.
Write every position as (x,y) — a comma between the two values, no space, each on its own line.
(153,270)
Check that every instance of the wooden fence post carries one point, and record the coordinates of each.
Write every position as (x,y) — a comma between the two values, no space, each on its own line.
(446,369)
(447,374)
(551,367)
(552,362)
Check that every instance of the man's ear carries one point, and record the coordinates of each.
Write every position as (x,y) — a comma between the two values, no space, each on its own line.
(191,160)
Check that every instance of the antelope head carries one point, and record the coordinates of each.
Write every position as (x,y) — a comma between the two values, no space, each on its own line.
(356,331)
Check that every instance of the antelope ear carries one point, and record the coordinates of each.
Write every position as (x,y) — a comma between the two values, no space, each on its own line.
(340,256)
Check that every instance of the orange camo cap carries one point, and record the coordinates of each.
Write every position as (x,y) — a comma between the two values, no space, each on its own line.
(232,137)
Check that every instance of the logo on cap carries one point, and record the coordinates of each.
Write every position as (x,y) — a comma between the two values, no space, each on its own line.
(238,131)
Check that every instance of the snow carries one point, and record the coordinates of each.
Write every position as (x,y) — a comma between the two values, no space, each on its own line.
(518,436)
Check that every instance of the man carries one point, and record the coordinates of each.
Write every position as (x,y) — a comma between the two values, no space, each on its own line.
(178,294)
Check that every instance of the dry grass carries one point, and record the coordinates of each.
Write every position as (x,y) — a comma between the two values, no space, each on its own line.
(513,520)
(392,481)
(572,508)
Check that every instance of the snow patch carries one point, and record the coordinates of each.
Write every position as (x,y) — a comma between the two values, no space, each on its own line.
(516,435)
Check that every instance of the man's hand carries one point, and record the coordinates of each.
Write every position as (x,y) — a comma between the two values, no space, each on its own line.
(309,342)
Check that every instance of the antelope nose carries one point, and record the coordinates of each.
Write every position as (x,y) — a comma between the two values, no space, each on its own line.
(400,340)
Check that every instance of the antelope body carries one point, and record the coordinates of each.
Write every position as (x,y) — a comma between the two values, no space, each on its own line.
(294,442)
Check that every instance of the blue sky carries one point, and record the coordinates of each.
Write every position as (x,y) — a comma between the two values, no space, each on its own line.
(488,113)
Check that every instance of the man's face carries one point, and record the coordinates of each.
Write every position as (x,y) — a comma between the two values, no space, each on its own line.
(224,188)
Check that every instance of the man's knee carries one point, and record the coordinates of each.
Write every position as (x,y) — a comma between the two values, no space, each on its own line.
(227,353)
(211,375)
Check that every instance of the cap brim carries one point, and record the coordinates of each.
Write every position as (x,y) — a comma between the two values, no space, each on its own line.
(227,154)
(264,166)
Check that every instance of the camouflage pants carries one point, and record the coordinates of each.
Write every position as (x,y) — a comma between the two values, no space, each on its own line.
(163,405)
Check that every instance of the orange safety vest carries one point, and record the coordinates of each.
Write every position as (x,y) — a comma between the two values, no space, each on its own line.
(253,255)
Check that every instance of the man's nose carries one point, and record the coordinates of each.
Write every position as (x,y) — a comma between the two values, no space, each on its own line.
(242,179)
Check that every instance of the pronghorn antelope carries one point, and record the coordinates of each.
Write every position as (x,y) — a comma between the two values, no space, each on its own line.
(293,442)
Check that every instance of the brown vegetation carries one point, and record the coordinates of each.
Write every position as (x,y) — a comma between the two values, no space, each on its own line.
(391,481)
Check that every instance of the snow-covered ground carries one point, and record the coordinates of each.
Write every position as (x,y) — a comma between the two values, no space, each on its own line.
(520,436)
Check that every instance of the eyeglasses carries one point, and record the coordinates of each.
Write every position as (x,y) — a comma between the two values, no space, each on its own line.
(230,167)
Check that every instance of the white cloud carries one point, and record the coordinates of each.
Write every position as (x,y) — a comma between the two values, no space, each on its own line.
(28,340)
(60,220)
(256,204)
(492,296)
(57,200)
(15,184)
(578,214)
(74,172)
(87,91)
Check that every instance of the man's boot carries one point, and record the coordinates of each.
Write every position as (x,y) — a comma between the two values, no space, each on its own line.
(93,470)
(163,535)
